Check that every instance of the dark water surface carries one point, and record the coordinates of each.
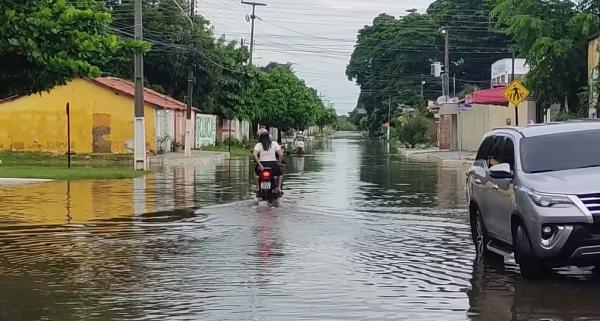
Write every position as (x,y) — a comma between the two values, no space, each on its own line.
(359,235)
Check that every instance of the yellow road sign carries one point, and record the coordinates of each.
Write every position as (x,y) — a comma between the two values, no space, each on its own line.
(516,93)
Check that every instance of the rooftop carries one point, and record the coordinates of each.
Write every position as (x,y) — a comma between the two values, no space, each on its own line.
(150,96)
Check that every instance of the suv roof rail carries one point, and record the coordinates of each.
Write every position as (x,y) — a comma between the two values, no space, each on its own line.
(516,129)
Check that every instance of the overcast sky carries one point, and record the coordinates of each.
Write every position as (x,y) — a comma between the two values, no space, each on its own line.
(316,36)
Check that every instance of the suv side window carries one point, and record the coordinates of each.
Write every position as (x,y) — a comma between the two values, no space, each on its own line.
(509,153)
(497,151)
(485,148)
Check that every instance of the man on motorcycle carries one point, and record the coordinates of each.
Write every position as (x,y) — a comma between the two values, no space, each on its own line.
(299,142)
(268,153)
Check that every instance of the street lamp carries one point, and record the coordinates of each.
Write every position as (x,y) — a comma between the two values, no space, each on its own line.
(422,84)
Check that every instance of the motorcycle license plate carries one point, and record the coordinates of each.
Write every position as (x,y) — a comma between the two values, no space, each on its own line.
(265,185)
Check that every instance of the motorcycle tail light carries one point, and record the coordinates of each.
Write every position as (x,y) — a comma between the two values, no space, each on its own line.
(266,174)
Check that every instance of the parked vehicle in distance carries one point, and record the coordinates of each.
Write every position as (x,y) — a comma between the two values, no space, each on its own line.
(534,195)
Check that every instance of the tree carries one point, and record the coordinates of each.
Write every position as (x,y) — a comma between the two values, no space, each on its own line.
(219,72)
(276,96)
(327,117)
(344,123)
(393,55)
(552,35)
(47,43)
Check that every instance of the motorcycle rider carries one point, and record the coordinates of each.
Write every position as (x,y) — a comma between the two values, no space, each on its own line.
(268,153)
(299,142)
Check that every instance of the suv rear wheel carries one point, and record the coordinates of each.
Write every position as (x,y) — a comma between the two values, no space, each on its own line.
(531,266)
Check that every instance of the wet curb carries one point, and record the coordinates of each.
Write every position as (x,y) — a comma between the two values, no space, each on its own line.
(20,181)
(198,158)
(435,155)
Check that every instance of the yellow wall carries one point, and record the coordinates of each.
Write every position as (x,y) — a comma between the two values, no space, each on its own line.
(38,122)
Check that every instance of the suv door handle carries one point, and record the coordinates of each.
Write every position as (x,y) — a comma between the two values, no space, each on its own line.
(478,181)
(495,187)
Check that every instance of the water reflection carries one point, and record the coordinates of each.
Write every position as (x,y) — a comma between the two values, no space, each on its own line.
(361,234)
(500,294)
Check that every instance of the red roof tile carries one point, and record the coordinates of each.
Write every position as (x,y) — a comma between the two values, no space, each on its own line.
(150,96)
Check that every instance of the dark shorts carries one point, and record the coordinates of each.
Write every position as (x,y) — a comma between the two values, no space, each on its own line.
(274,166)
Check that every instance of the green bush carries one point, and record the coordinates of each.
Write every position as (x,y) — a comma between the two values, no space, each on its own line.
(413,131)
(563,116)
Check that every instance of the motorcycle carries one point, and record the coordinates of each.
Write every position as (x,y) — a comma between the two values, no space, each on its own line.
(299,147)
(267,186)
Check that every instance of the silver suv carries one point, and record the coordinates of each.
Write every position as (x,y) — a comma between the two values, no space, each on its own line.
(534,195)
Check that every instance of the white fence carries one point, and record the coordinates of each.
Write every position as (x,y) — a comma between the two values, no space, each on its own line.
(239,130)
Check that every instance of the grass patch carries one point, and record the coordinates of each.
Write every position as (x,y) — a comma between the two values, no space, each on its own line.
(54,166)
(61,173)
(8,158)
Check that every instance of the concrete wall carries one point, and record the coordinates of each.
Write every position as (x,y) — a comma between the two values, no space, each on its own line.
(479,119)
(101,121)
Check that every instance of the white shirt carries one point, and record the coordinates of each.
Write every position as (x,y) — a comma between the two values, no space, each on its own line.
(269,155)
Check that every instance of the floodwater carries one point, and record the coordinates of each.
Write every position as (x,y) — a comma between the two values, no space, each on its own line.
(360,235)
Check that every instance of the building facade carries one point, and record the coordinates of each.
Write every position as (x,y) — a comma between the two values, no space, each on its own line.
(101,118)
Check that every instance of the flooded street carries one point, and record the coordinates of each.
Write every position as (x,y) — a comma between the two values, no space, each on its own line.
(359,235)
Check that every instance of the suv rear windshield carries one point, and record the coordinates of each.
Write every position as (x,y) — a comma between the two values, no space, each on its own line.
(561,151)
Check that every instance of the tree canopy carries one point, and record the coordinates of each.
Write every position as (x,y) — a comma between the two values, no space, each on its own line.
(553,36)
(392,56)
(47,43)
(276,96)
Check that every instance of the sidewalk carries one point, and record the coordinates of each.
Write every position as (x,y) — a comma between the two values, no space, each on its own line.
(198,158)
(18,181)
(446,157)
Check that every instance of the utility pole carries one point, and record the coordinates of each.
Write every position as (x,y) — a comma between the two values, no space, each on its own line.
(189,122)
(513,79)
(253,16)
(389,116)
(446,52)
(139,131)
(446,78)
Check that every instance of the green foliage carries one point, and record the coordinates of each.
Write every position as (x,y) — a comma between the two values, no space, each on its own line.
(413,131)
(393,56)
(565,116)
(553,36)
(277,97)
(344,123)
(219,72)
(47,43)
(326,117)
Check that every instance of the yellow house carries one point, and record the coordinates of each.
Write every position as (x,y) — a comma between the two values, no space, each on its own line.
(102,114)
